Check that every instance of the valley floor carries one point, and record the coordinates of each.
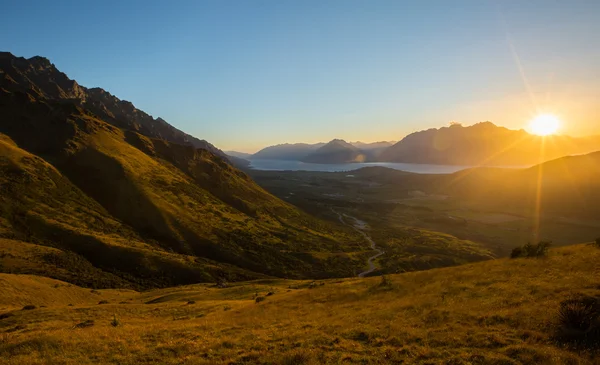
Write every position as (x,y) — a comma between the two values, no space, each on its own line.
(494,312)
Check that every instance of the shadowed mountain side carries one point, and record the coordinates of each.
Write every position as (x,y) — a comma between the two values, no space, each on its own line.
(41,206)
(484,144)
(170,204)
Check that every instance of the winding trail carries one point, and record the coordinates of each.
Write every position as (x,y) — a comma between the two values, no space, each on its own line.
(360,226)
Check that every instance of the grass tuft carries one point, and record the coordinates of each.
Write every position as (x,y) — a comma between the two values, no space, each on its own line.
(579,322)
(296,358)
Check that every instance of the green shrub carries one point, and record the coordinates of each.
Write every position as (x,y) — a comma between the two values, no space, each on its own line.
(531,250)
(115,321)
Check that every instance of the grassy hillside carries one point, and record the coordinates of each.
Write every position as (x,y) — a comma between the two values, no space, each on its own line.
(495,312)
(150,212)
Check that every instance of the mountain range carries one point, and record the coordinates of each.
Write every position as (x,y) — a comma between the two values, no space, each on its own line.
(485,144)
(482,144)
(113,197)
(335,151)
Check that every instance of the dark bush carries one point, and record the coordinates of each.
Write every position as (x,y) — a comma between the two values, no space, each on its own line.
(260,299)
(579,322)
(531,250)
(222,283)
(103,302)
(29,307)
(516,252)
(597,242)
(6,315)
(84,324)
(190,302)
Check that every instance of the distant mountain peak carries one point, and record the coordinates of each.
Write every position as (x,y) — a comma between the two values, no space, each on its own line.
(336,151)
(40,61)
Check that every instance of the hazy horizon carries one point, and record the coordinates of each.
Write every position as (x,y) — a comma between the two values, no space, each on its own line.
(248,75)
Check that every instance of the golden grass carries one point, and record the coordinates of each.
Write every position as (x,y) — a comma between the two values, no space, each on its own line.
(495,312)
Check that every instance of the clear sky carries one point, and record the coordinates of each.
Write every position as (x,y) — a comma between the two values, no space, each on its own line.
(249,73)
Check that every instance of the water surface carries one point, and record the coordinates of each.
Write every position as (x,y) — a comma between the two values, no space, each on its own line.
(283,165)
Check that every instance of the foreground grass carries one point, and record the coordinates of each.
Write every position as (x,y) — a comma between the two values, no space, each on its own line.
(494,312)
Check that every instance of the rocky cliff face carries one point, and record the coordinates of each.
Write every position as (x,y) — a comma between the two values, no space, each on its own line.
(39,78)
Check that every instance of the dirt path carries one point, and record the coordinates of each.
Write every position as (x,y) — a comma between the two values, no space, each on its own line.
(360,226)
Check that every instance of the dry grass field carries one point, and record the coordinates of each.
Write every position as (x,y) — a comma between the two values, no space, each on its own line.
(495,312)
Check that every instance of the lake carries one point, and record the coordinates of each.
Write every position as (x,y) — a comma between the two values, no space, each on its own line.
(283,165)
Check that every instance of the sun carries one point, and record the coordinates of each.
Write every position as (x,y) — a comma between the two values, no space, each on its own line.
(544,124)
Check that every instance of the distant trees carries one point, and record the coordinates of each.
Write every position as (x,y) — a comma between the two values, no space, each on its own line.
(531,250)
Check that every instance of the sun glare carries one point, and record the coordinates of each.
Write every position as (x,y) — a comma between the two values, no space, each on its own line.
(544,124)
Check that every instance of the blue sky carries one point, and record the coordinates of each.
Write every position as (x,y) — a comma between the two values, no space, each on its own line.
(245,74)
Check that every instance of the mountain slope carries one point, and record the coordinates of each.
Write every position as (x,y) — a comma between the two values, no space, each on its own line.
(484,144)
(566,187)
(372,150)
(336,151)
(148,211)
